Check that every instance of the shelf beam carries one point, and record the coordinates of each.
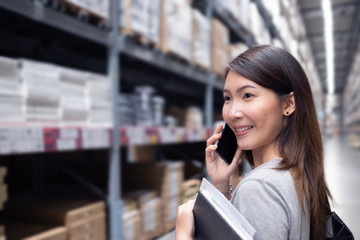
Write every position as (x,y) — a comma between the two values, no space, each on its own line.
(42,14)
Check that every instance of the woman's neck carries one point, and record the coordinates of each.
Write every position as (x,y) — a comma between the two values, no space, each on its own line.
(265,154)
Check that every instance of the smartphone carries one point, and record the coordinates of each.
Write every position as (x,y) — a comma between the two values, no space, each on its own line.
(227,144)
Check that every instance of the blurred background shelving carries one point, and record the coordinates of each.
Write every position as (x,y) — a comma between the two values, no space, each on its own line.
(58,133)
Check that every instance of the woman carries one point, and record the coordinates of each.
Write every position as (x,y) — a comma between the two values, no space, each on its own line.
(269,106)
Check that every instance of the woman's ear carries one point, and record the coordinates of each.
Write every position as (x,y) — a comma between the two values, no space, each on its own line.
(289,104)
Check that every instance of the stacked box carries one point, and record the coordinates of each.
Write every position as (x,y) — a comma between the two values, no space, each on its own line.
(2,232)
(73,109)
(131,220)
(176,28)
(33,231)
(232,6)
(3,187)
(190,189)
(220,44)
(11,100)
(41,91)
(257,25)
(99,8)
(244,13)
(98,97)
(166,178)
(150,207)
(141,17)
(236,49)
(201,40)
(82,219)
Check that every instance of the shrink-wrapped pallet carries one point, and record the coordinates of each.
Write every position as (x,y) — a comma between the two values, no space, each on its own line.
(11,100)
(166,178)
(41,91)
(73,109)
(236,49)
(176,28)
(96,8)
(98,97)
(141,18)
(200,40)
(220,46)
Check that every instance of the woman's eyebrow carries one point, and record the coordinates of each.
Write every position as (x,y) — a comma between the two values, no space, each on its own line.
(240,89)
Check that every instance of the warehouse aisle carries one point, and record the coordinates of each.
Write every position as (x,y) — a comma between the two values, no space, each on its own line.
(342,167)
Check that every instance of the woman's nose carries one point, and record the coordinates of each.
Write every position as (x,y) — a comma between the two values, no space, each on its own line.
(236,113)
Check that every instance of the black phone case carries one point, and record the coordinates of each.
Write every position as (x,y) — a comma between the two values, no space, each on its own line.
(227,145)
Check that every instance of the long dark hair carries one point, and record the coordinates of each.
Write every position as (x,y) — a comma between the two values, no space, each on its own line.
(299,142)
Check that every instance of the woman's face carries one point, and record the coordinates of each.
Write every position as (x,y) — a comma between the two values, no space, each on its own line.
(253,112)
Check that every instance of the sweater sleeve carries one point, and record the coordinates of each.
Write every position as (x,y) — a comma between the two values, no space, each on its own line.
(261,203)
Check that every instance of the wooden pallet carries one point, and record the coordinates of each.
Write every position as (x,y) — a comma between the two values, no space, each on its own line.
(139,37)
(85,15)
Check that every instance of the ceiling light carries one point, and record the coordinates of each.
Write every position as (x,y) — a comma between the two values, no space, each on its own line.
(329,45)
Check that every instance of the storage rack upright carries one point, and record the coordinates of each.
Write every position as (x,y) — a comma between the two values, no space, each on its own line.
(112,47)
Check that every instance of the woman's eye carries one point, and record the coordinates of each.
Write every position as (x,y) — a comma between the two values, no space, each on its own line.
(226,98)
(248,95)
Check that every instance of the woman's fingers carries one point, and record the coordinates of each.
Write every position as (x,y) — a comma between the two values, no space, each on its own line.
(185,221)
(219,128)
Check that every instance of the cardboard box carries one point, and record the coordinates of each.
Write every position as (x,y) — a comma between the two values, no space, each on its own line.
(150,206)
(164,177)
(131,224)
(176,28)
(93,225)
(190,189)
(59,212)
(220,42)
(200,40)
(31,231)
(142,18)
(138,154)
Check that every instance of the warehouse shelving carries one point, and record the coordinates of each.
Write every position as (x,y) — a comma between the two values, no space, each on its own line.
(41,139)
(51,139)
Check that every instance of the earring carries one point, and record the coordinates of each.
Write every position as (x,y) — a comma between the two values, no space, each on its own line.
(287,113)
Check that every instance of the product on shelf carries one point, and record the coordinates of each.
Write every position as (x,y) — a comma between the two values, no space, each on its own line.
(83,219)
(141,18)
(3,187)
(34,231)
(220,42)
(176,28)
(98,95)
(257,25)
(73,108)
(131,220)
(164,177)
(127,116)
(41,91)
(190,117)
(150,207)
(11,101)
(158,103)
(244,13)
(143,107)
(168,236)
(236,49)
(96,8)
(2,232)
(232,6)
(200,40)
(190,189)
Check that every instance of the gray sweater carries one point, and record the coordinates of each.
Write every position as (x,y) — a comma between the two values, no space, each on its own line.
(267,199)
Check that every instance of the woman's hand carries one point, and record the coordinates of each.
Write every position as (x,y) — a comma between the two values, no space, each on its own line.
(185,223)
(219,171)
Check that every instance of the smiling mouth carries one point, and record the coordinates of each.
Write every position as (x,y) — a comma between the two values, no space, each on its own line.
(243,129)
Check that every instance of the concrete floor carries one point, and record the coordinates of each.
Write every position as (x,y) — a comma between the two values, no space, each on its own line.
(342,169)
